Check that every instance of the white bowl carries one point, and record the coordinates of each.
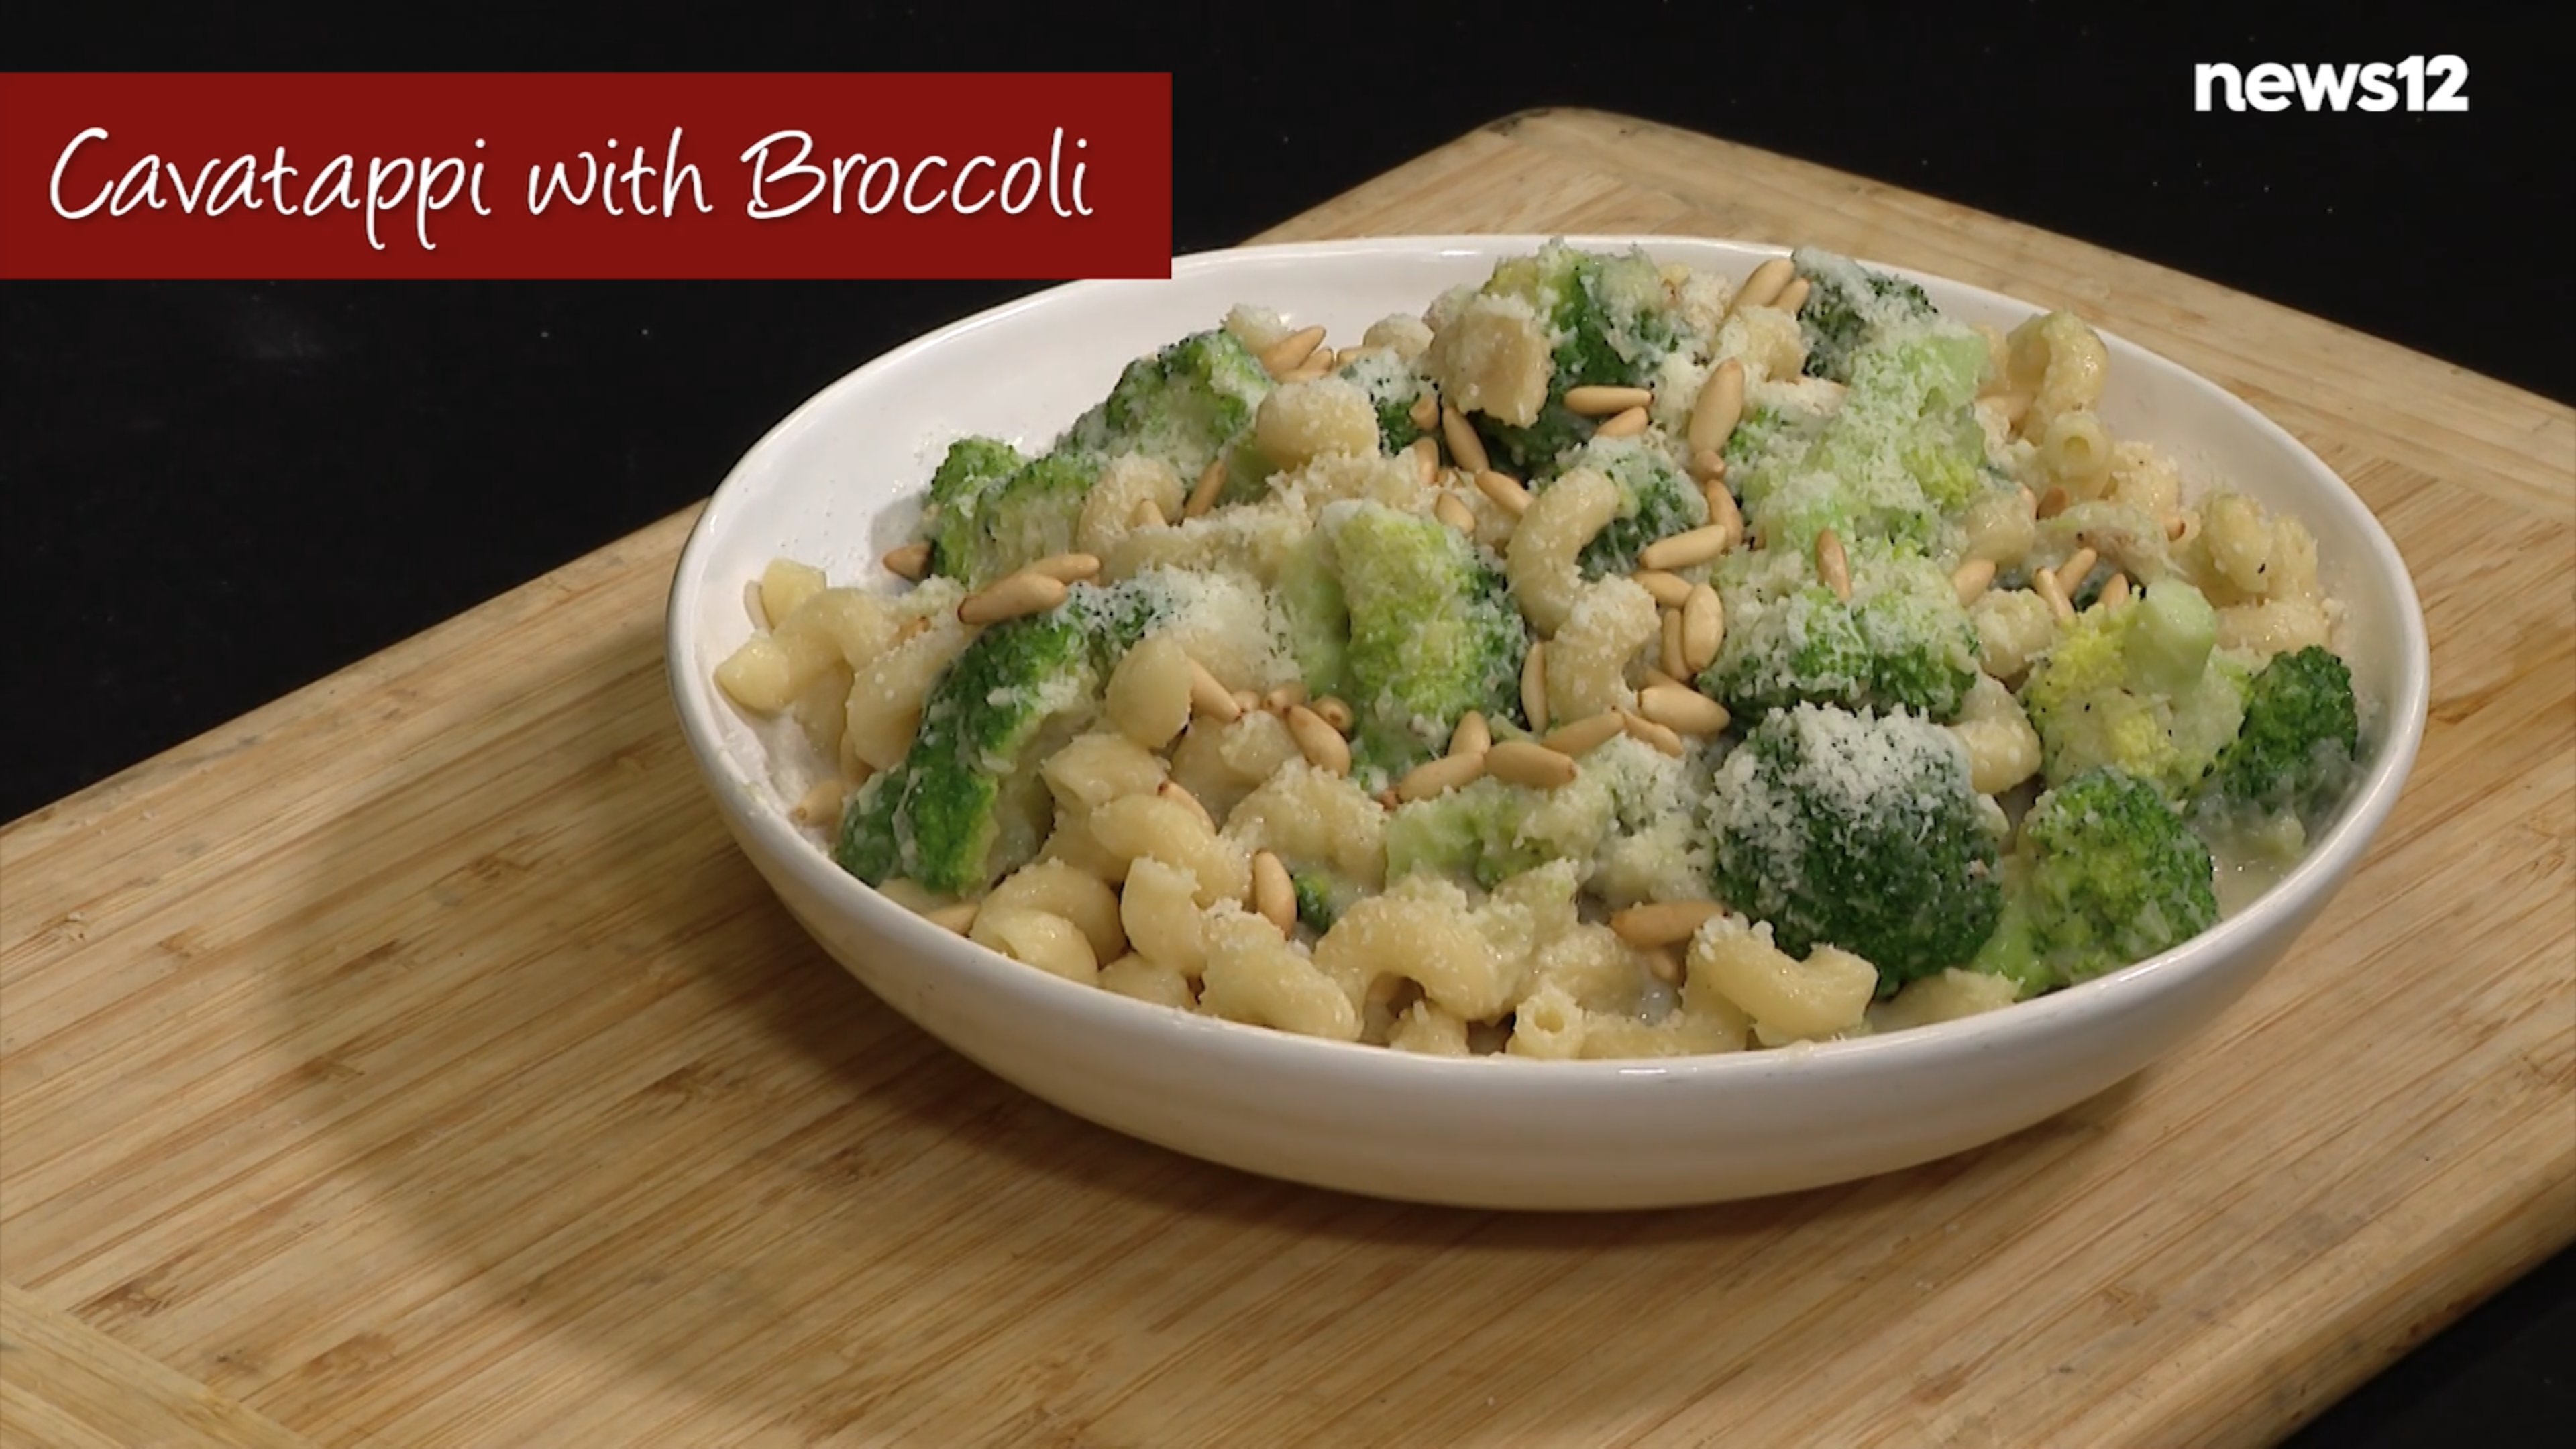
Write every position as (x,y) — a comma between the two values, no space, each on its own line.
(831,486)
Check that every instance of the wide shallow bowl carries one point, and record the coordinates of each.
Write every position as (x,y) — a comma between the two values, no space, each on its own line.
(834,485)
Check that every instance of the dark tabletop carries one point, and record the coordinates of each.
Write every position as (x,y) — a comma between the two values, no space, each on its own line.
(221,491)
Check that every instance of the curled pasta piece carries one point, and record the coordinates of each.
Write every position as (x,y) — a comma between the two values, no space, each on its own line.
(1305,814)
(1133,975)
(1134,827)
(2014,627)
(1547,1024)
(1148,697)
(1540,564)
(1425,936)
(1097,767)
(1050,943)
(1055,888)
(2003,749)
(1301,421)
(2075,453)
(886,696)
(1613,620)
(1254,975)
(2057,364)
(1788,1000)
(1110,509)
(1160,913)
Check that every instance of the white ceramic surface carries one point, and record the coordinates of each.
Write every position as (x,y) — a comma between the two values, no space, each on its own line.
(830,486)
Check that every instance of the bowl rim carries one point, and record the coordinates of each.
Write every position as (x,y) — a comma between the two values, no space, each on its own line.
(1090,1009)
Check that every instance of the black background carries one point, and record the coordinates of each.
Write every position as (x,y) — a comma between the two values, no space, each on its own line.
(219,492)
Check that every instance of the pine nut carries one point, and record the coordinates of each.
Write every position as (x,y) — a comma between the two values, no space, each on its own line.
(1505,490)
(752,605)
(2046,585)
(1519,762)
(1681,550)
(2078,564)
(1671,590)
(1671,656)
(1440,776)
(1534,686)
(1425,413)
(1708,466)
(1602,402)
(1793,296)
(1308,372)
(1070,568)
(1288,352)
(959,918)
(1320,743)
(1208,696)
(1663,923)
(1426,460)
(821,800)
(1663,963)
(1471,737)
(1181,796)
(1650,677)
(1464,445)
(1349,355)
(1686,710)
(2115,592)
(1723,512)
(1833,565)
(1015,597)
(1661,737)
(1764,285)
(1585,735)
(1148,514)
(1284,698)
(1273,894)
(1247,701)
(2051,503)
(2176,525)
(1203,495)
(1703,628)
(1333,712)
(1972,579)
(1626,425)
(1457,515)
(912,561)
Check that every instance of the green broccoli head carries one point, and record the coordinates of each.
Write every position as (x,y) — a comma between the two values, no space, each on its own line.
(2139,688)
(2104,873)
(1850,309)
(1012,521)
(1613,322)
(1183,405)
(1656,499)
(1395,387)
(1321,898)
(1629,820)
(1433,632)
(1902,641)
(1903,446)
(1858,830)
(2295,750)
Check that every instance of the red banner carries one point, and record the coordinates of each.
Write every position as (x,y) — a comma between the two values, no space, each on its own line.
(985,176)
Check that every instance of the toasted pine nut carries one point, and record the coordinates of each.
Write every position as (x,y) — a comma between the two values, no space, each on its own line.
(1650,677)
(1321,744)
(1017,596)
(1071,568)
(1722,510)
(1273,895)
(1764,285)
(1284,698)
(1333,712)
(1179,794)
(1426,460)
(1247,701)
(1793,296)
(1208,696)
(1387,799)
(1471,737)
(1584,735)
(1602,402)
(912,561)
(1663,923)
(2046,585)
(1708,466)
(1440,776)
(2051,503)
(1457,515)
(1288,352)
(752,605)
(2176,525)
(1670,589)
(1672,656)
(2115,592)
(1349,355)
(1681,550)
(1534,685)
(1703,628)
(1972,579)
(2078,564)
(1686,710)
(1464,446)
(1505,490)
(1833,565)
(1626,425)
(821,800)
(1661,737)
(1203,495)
(1663,963)
(959,918)
(1425,413)
(1519,762)
(1148,514)
(1308,371)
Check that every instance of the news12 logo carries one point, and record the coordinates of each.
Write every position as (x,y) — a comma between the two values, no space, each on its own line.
(2272,86)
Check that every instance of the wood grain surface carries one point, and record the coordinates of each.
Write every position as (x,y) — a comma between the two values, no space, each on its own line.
(416,1062)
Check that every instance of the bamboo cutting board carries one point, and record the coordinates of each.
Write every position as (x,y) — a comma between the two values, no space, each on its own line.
(416,1062)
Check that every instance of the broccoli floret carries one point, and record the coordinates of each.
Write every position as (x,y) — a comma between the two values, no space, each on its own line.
(966,802)
(1903,641)
(1857,830)
(1320,899)
(971,468)
(2104,873)
(1656,499)
(1434,632)
(2140,689)
(1012,521)
(1394,387)
(1613,322)
(1903,446)
(1630,821)
(1316,616)
(1850,308)
(2294,752)
(1183,405)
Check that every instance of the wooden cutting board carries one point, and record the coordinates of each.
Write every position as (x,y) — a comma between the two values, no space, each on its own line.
(415,1061)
